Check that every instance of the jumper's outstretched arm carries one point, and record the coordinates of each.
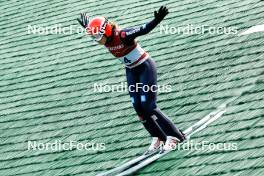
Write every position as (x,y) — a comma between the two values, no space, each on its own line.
(129,34)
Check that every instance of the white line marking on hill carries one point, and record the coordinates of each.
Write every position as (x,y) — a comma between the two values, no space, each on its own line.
(254,29)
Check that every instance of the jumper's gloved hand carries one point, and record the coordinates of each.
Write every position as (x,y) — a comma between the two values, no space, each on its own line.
(83,20)
(159,16)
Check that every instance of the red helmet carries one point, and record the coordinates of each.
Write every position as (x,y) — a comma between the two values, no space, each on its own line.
(98,27)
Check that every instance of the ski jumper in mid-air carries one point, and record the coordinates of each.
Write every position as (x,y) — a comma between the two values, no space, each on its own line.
(140,70)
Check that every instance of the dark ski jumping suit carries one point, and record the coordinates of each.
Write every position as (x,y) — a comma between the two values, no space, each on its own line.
(141,70)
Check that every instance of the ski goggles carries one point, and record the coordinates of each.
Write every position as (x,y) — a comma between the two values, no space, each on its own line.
(97,37)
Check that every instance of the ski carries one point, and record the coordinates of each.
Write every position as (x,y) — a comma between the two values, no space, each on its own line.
(198,126)
(128,164)
(142,164)
(204,122)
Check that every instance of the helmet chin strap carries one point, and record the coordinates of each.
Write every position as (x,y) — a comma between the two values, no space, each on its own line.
(108,39)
